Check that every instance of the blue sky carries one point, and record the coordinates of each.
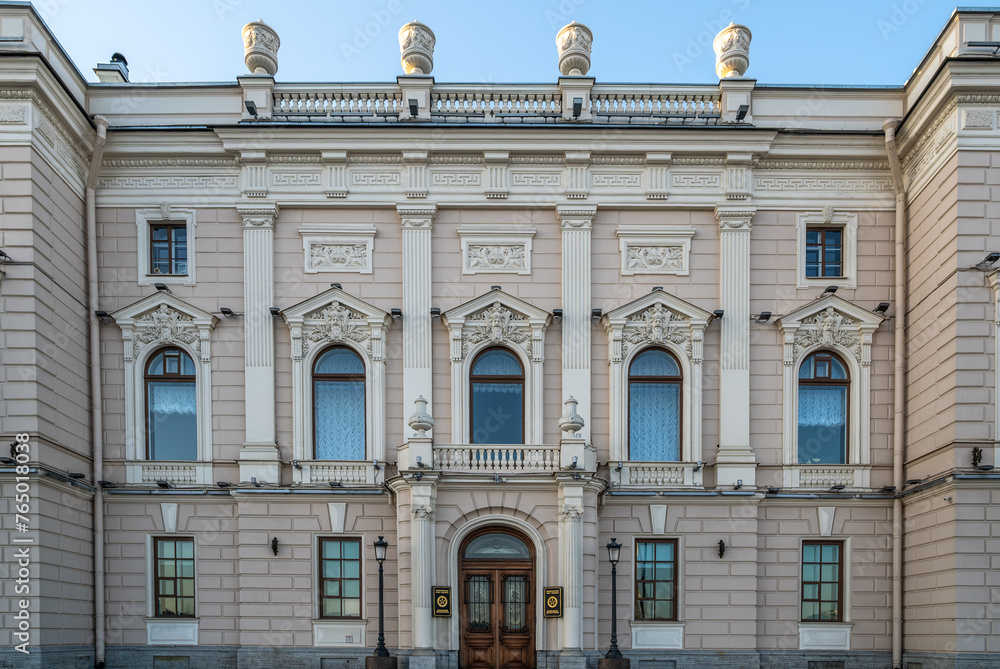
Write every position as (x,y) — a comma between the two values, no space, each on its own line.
(865,42)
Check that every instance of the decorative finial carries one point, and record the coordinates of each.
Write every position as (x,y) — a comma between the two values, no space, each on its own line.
(732,51)
(573,43)
(421,421)
(571,422)
(260,48)
(416,47)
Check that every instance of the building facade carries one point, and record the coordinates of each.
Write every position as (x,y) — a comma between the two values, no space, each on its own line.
(747,332)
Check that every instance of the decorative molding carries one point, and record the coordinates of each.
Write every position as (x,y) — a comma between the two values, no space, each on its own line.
(695,180)
(336,317)
(169,182)
(295,160)
(458,179)
(496,250)
(734,219)
(147,325)
(456,160)
(497,318)
(978,119)
(834,324)
(928,147)
(655,250)
(375,178)
(375,160)
(12,114)
(839,184)
(576,216)
(290,179)
(617,180)
(825,165)
(338,248)
(170,162)
(618,160)
(536,178)
(258,216)
(699,161)
(538,160)
(662,320)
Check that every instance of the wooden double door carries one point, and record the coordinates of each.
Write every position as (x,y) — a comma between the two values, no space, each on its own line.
(497,623)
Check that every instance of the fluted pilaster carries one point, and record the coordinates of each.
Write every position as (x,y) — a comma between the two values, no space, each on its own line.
(417,222)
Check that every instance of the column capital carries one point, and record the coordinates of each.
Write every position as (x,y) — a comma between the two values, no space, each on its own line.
(734,219)
(417,216)
(258,216)
(576,216)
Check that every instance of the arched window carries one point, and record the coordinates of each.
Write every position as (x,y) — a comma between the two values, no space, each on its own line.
(171,406)
(824,387)
(497,382)
(654,407)
(339,405)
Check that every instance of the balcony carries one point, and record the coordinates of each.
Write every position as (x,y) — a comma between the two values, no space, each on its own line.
(658,474)
(495,458)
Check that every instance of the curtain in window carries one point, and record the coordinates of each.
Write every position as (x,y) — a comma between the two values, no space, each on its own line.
(172,398)
(822,406)
(654,418)
(340,420)
(173,420)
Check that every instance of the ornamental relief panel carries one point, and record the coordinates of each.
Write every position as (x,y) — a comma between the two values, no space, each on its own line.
(497,325)
(351,250)
(498,258)
(335,324)
(655,250)
(493,250)
(656,325)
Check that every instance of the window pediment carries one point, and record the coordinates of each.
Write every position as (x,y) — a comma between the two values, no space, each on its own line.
(496,318)
(829,322)
(657,318)
(335,317)
(162,319)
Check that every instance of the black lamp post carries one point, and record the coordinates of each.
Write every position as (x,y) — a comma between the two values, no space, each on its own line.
(614,553)
(380,548)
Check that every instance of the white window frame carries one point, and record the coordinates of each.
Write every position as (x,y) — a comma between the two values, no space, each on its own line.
(364,333)
(629,334)
(831,324)
(169,631)
(468,334)
(827,218)
(149,325)
(826,635)
(144,219)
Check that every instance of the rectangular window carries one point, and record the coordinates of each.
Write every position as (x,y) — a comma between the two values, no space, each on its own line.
(824,252)
(340,578)
(656,579)
(822,581)
(173,582)
(168,248)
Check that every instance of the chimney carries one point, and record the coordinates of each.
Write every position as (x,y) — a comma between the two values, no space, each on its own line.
(115,72)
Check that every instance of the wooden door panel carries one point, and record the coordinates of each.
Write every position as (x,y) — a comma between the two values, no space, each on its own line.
(497,624)
(516,621)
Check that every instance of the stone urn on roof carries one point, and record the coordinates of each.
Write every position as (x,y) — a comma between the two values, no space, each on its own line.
(260,48)
(732,51)
(574,42)
(416,48)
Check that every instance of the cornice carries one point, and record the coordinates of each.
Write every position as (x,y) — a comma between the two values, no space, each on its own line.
(826,165)
(171,162)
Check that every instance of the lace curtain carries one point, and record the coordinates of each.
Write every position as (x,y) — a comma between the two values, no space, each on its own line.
(340,420)
(654,417)
(172,398)
(496,363)
(479,388)
(822,406)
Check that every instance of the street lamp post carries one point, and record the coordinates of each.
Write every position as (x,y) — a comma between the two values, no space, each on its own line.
(614,553)
(380,659)
(613,658)
(380,548)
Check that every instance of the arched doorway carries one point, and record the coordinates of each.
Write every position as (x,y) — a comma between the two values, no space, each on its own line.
(497,617)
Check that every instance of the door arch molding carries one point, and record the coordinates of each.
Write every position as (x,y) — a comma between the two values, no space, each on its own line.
(454,555)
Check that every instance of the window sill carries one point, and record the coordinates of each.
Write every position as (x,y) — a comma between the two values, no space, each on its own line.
(344,633)
(823,281)
(825,636)
(345,472)
(642,474)
(175,279)
(823,477)
(657,634)
(172,631)
(182,472)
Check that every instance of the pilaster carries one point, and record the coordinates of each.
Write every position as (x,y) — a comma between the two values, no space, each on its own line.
(416,174)
(417,221)
(658,175)
(577,222)
(335,177)
(571,506)
(577,175)
(423,497)
(259,457)
(735,460)
(497,174)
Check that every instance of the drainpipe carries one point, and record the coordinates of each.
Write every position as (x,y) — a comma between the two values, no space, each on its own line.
(96,417)
(899,416)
